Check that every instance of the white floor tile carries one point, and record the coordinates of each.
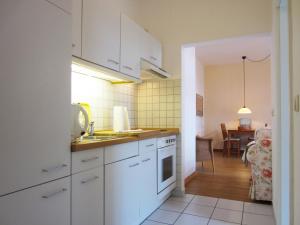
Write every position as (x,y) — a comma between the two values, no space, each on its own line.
(185,219)
(203,200)
(185,198)
(199,210)
(230,204)
(219,222)
(254,219)
(148,222)
(172,205)
(164,216)
(258,208)
(228,215)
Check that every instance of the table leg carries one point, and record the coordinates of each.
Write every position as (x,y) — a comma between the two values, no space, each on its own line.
(228,145)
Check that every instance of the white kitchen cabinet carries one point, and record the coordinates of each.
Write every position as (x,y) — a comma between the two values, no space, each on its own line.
(151,49)
(101,32)
(148,181)
(47,204)
(76,27)
(122,192)
(34,94)
(88,197)
(63,4)
(131,42)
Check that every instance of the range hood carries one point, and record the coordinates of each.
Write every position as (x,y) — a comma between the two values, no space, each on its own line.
(150,71)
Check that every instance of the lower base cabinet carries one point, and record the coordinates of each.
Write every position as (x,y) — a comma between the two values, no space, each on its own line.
(122,192)
(87,197)
(47,204)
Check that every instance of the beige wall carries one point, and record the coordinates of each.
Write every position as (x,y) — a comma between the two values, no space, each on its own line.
(296,91)
(178,22)
(224,96)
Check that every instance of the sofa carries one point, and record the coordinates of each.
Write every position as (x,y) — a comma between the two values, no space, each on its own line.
(259,156)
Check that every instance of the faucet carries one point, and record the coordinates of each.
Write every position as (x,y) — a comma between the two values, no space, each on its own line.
(91,128)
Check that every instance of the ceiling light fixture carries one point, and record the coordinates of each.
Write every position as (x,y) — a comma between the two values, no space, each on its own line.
(244,109)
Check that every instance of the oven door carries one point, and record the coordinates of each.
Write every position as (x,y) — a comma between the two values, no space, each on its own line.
(166,167)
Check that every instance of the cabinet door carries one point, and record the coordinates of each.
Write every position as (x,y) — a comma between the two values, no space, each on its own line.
(130,47)
(76,27)
(122,198)
(35,91)
(101,32)
(151,49)
(63,4)
(47,204)
(149,199)
(87,197)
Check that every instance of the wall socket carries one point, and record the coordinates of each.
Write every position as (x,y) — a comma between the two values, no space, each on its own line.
(297,103)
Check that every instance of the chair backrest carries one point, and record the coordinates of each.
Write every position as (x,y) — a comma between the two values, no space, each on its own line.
(263,133)
(224,131)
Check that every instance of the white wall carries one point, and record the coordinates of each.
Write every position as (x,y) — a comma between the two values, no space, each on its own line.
(200,91)
(188,106)
(224,97)
(178,22)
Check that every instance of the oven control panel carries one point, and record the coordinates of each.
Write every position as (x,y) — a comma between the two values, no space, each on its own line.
(166,141)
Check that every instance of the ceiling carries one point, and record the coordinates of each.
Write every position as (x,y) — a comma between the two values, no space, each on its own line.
(230,51)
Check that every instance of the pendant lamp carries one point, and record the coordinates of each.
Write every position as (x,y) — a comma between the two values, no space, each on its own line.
(244,109)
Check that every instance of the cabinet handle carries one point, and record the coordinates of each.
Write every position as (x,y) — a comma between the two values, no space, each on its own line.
(89,180)
(90,159)
(49,170)
(146,160)
(128,67)
(54,193)
(113,61)
(73,45)
(297,104)
(154,58)
(150,145)
(134,165)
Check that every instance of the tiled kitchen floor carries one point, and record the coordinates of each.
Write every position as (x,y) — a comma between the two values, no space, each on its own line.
(201,210)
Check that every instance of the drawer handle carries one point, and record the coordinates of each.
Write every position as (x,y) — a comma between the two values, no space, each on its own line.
(89,180)
(152,57)
(128,67)
(150,145)
(146,160)
(134,165)
(90,159)
(54,168)
(54,193)
(113,61)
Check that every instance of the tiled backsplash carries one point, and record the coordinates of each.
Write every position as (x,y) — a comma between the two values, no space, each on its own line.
(159,104)
(102,96)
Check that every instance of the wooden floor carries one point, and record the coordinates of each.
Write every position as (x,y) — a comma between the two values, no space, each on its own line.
(230,180)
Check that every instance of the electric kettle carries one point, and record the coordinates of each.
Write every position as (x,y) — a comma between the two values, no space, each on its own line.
(80,121)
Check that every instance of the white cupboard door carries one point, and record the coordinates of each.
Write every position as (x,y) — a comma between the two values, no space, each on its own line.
(101,32)
(76,27)
(149,199)
(131,41)
(122,198)
(47,204)
(35,91)
(151,49)
(87,197)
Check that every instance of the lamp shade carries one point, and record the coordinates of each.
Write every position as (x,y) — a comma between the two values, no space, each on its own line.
(244,110)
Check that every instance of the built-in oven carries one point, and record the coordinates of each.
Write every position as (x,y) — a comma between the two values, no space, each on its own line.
(166,155)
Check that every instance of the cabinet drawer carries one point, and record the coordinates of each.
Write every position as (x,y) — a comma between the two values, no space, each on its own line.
(86,160)
(119,152)
(47,204)
(147,146)
(87,197)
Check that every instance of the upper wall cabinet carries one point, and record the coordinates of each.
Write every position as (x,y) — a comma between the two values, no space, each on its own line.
(76,27)
(131,41)
(101,32)
(151,49)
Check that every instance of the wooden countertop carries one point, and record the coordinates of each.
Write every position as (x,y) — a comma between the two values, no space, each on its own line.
(148,133)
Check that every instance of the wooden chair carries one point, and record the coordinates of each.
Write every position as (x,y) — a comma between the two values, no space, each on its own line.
(234,143)
(204,150)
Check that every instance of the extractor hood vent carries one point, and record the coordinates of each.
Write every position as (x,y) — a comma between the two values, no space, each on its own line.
(150,71)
